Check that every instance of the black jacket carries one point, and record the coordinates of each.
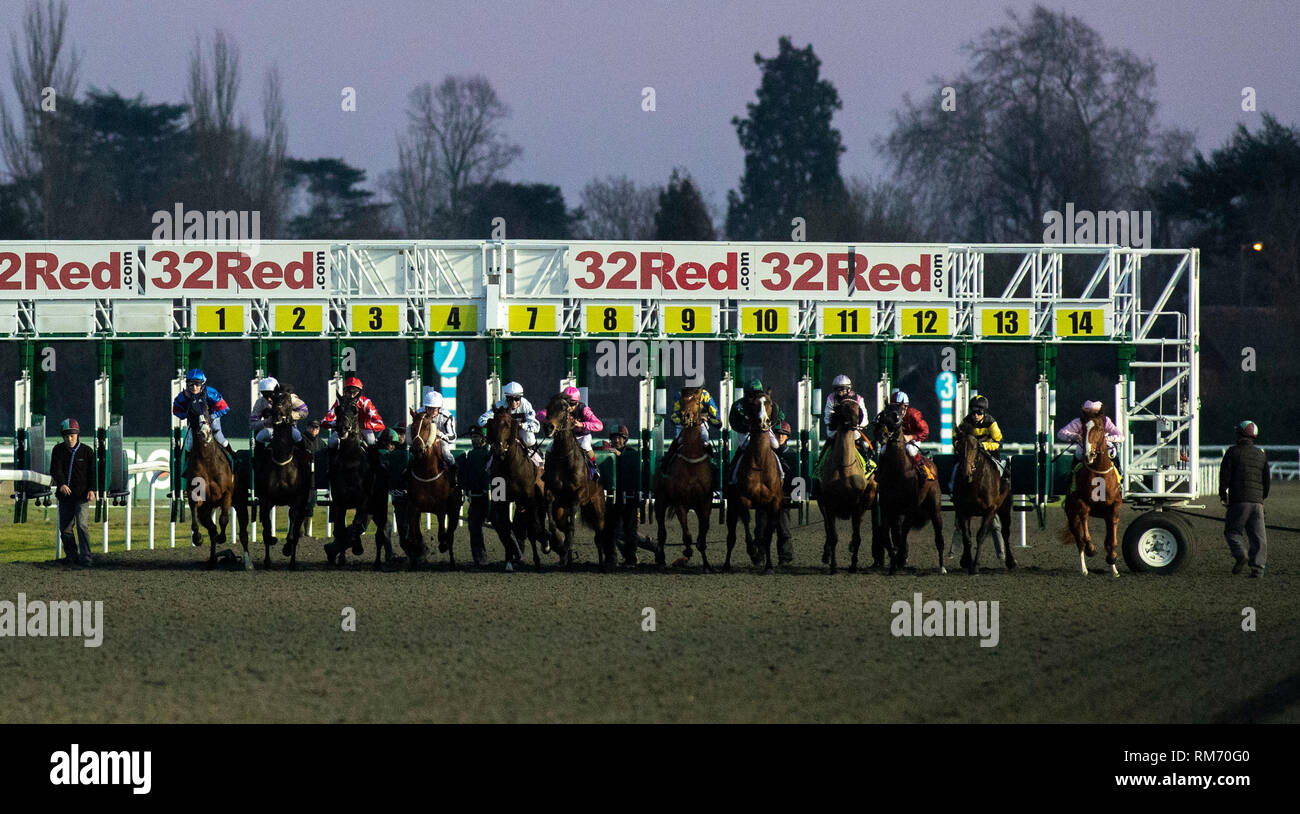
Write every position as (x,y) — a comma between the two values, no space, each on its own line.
(83,470)
(1243,475)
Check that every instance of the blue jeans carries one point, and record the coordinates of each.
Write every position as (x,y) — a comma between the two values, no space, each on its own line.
(72,516)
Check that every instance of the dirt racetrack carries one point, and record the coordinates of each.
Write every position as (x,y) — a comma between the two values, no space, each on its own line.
(182,644)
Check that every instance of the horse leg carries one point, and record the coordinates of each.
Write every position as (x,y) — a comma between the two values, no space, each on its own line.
(705,513)
(986,528)
(732,512)
(683,520)
(936,520)
(879,539)
(1078,522)
(1112,533)
(264,521)
(662,535)
(855,542)
(832,537)
(1004,514)
(769,529)
(445,530)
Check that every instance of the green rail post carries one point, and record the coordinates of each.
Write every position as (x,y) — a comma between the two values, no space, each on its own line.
(1044,465)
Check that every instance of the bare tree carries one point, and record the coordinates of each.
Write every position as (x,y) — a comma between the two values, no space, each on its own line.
(615,208)
(29,138)
(884,213)
(461,120)
(1046,114)
(416,186)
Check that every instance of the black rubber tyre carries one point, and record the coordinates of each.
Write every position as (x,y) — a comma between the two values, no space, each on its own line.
(1157,543)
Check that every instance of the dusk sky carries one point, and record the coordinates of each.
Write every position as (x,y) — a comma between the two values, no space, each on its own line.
(572,73)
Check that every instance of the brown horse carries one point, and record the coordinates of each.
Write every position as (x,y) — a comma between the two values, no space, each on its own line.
(522,481)
(212,486)
(846,490)
(280,477)
(569,492)
(979,491)
(1096,493)
(758,485)
(428,489)
(903,500)
(687,483)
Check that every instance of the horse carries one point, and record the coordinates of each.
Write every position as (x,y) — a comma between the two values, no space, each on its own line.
(903,503)
(568,489)
(355,484)
(212,484)
(846,490)
(523,487)
(686,484)
(1096,493)
(428,490)
(758,485)
(979,491)
(281,477)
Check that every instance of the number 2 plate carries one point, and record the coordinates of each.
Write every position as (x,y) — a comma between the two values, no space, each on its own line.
(300,319)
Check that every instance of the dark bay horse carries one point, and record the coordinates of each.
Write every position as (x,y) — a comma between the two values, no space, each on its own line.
(687,483)
(979,492)
(515,479)
(356,485)
(1096,493)
(758,485)
(569,492)
(904,501)
(212,486)
(845,491)
(428,490)
(281,477)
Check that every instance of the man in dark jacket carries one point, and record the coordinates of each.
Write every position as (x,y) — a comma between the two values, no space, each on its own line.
(72,468)
(627,498)
(475,480)
(1243,486)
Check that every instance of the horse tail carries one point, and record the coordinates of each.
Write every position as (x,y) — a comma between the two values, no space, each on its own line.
(1065,535)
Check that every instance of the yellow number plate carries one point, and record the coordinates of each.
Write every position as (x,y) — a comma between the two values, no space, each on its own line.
(846,321)
(764,320)
(376,318)
(1081,322)
(1004,321)
(525,319)
(299,319)
(688,319)
(218,319)
(923,322)
(453,319)
(611,319)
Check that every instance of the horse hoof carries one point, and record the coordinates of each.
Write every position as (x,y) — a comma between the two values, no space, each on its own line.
(1011,564)
(1090,550)
(767,570)
(942,570)
(853,568)
(286,549)
(356,547)
(510,567)
(973,570)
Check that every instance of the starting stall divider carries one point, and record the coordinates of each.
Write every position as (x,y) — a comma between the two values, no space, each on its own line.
(432,293)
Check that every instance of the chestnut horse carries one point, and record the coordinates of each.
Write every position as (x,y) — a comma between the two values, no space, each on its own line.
(845,491)
(212,485)
(1096,493)
(904,501)
(428,489)
(569,492)
(522,480)
(979,491)
(758,484)
(687,483)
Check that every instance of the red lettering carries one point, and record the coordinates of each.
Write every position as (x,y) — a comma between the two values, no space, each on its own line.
(592,259)
(917,277)
(204,261)
(10,259)
(233,264)
(806,281)
(725,274)
(837,268)
(654,266)
(41,264)
(76,276)
(621,277)
(691,276)
(107,274)
(779,261)
(266,274)
(884,277)
(297,273)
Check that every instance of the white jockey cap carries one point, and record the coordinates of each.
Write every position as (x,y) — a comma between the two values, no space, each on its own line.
(841,381)
(267,385)
(513,389)
(433,399)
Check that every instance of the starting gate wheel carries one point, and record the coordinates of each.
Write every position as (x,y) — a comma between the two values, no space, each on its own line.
(1157,543)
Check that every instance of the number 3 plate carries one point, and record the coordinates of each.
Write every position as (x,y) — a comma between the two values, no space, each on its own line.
(376,318)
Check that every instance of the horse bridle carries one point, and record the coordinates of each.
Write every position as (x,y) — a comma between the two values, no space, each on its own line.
(417,442)
(1092,452)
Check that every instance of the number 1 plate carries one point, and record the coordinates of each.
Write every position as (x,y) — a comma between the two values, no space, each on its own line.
(220,318)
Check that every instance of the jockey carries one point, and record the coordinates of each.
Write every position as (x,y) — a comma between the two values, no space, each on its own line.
(513,399)
(1072,433)
(196,387)
(708,406)
(446,426)
(841,389)
(913,428)
(371,422)
(260,419)
(585,423)
(981,423)
(740,423)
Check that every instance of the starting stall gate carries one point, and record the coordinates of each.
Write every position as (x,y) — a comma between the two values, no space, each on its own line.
(1143,304)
